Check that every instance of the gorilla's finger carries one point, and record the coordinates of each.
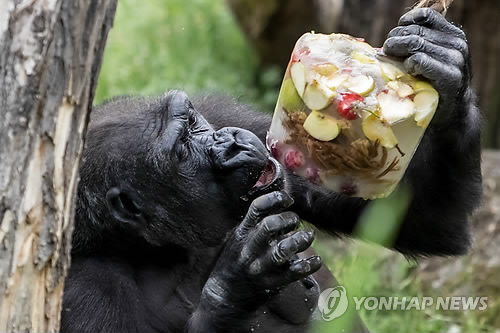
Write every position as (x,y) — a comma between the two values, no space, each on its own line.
(262,206)
(269,227)
(442,74)
(404,46)
(290,246)
(301,268)
(432,19)
(434,36)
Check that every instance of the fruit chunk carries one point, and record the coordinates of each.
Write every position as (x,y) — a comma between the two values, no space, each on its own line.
(321,126)
(361,84)
(349,188)
(317,96)
(375,129)
(275,149)
(390,72)
(312,174)
(346,105)
(403,89)
(294,159)
(336,80)
(297,55)
(362,58)
(420,86)
(426,103)
(325,69)
(289,98)
(394,109)
(298,73)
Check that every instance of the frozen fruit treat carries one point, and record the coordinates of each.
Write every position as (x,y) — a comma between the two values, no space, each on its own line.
(348,117)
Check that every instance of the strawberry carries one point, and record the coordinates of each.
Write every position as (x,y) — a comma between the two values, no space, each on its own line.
(349,189)
(275,150)
(312,174)
(346,105)
(294,159)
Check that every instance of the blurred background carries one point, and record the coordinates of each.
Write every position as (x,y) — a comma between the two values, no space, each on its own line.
(241,47)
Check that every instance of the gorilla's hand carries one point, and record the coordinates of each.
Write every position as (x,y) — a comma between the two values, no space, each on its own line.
(258,259)
(437,50)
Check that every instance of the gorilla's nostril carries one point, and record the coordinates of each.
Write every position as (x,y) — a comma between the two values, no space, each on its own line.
(231,151)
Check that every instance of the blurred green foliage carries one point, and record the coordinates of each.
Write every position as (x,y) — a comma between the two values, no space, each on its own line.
(195,45)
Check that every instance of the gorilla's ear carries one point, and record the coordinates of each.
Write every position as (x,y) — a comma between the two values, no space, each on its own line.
(124,207)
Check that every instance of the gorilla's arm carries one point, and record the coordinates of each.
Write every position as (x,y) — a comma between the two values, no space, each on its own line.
(94,298)
(445,172)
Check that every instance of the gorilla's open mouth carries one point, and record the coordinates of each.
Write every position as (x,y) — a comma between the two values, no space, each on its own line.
(268,175)
(271,179)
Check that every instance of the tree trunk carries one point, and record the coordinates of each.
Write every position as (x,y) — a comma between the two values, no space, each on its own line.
(50,56)
(273,26)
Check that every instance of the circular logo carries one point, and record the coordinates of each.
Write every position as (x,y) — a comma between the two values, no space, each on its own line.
(333,303)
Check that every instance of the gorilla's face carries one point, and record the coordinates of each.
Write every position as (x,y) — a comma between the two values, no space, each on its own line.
(157,169)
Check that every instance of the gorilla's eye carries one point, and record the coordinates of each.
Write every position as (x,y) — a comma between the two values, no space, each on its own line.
(192,119)
(181,151)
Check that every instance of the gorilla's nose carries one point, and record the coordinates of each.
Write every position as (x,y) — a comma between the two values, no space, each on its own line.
(234,147)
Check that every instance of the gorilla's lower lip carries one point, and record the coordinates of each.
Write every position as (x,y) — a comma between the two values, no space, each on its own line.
(270,178)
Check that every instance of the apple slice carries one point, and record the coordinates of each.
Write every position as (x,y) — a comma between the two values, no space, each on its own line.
(327,69)
(361,84)
(375,129)
(390,72)
(289,98)
(321,126)
(362,58)
(336,80)
(298,73)
(403,89)
(426,103)
(394,109)
(420,86)
(317,96)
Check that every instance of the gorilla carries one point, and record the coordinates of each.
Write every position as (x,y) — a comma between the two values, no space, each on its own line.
(184,223)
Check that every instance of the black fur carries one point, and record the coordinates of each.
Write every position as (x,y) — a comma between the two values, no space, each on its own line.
(164,242)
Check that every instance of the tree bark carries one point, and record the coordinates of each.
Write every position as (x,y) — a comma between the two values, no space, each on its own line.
(273,26)
(50,57)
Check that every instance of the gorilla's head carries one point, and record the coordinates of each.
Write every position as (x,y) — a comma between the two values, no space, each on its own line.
(154,170)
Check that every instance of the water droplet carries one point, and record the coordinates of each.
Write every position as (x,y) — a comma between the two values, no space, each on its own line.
(306,299)
(252,329)
(267,291)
